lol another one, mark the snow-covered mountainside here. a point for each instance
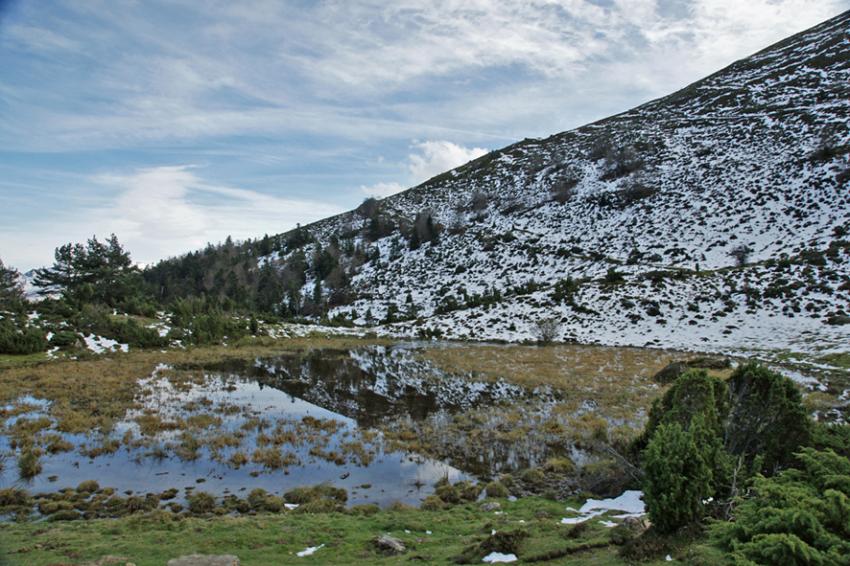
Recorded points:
(715, 218)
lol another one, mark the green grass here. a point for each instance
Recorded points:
(276, 538)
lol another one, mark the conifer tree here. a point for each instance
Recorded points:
(677, 479)
(11, 292)
(95, 272)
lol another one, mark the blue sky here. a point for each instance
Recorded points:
(176, 123)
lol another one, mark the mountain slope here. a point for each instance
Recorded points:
(713, 218)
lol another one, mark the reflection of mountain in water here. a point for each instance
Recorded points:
(368, 384)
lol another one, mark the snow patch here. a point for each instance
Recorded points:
(498, 557)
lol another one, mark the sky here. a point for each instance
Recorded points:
(173, 124)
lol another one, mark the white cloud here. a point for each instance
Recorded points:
(430, 159)
(439, 156)
(165, 211)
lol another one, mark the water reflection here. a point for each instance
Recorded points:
(368, 384)
(295, 419)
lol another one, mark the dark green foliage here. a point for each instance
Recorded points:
(829, 436)
(206, 321)
(757, 413)
(767, 417)
(703, 428)
(612, 276)
(19, 338)
(694, 393)
(800, 516)
(64, 339)
(678, 475)
(97, 272)
(425, 229)
(270, 291)
(98, 320)
(324, 261)
(564, 290)
(11, 292)
(224, 272)
(298, 238)
(368, 208)
(621, 162)
(392, 314)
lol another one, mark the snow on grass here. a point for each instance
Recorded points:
(99, 344)
(499, 558)
(629, 503)
(309, 551)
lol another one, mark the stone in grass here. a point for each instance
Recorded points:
(390, 545)
(670, 373)
(205, 560)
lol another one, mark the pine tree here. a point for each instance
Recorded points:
(269, 290)
(11, 292)
(95, 272)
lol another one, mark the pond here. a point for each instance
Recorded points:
(271, 422)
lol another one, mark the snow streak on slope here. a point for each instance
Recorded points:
(644, 211)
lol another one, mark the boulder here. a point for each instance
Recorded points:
(389, 545)
(670, 373)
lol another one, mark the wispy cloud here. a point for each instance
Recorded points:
(164, 211)
(340, 68)
(292, 98)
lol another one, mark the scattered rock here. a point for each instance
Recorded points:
(390, 545)
(637, 524)
(491, 506)
(205, 560)
(670, 373)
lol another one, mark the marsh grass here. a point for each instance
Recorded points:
(29, 464)
(619, 380)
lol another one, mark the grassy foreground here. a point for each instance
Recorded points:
(276, 538)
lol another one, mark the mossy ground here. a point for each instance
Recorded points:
(276, 538)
